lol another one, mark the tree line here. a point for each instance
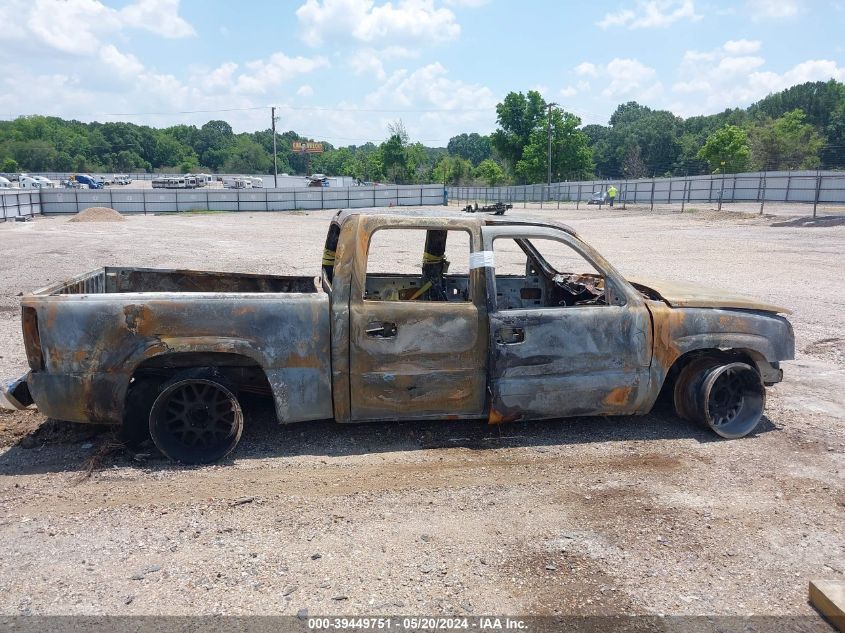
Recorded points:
(802, 127)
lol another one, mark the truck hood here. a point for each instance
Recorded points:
(682, 294)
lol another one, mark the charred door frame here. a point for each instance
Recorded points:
(365, 226)
(623, 300)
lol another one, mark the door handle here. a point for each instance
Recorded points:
(381, 329)
(510, 335)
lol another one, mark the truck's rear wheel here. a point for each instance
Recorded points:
(196, 419)
(729, 398)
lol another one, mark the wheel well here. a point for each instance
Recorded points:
(241, 372)
(726, 355)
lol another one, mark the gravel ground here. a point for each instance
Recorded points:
(588, 515)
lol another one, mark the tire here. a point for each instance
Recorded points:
(136, 416)
(728, 398)
(196, 418)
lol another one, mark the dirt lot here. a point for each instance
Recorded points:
(589, 515)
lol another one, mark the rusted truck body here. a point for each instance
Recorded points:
(171, 350)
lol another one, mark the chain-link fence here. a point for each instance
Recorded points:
(823, 190)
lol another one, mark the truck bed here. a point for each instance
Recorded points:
(87, 337)
(111, 279)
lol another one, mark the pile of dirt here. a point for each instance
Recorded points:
(98, 214)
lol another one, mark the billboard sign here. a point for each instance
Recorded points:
(307, 147)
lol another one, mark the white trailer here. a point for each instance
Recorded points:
(27, 182)
(46, 183)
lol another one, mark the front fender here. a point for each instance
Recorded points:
(678, 331)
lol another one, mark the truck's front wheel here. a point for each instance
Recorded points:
(727, 397)
(195, 419)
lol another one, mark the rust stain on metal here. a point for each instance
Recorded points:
(619, 396)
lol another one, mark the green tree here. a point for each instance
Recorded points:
(633, 166)
(490, 172)
(473, 147)
(452, 170)
(817, 99)
(833, 153)
(247, 157)
(726, 150)
(518, 116)
(188, 165)
(571, 156)
(787, 142)
(10, 165)
(394, 159)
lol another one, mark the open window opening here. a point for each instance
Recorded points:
(418, 265)
(545, 273)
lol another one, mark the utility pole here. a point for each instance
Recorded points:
(275, 166)
(550, 142)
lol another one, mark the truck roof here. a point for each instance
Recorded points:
(428, 212)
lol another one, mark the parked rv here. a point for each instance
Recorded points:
(5, 183)
(203, 180)
(237, 182)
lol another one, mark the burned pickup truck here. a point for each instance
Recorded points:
(415, 316)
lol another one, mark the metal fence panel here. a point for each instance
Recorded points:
(804, 186)
(68, 201)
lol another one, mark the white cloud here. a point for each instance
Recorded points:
(220, 79)
(458, 105)
(364, 61)
(77, 26)
(619, 18)
(651, 14)
(363, 20)
(773, 9)
(622, 78)
(587, 68)
(631, 78)
(741, 47)
(305, 91)
(123, 65)
(265, 74)
(568, 91)
(739, 65)
(370, 61)
(726, 77)
(157, 16)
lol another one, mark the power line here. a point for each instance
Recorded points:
(266, 107)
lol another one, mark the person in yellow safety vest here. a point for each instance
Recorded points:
(611, 193)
